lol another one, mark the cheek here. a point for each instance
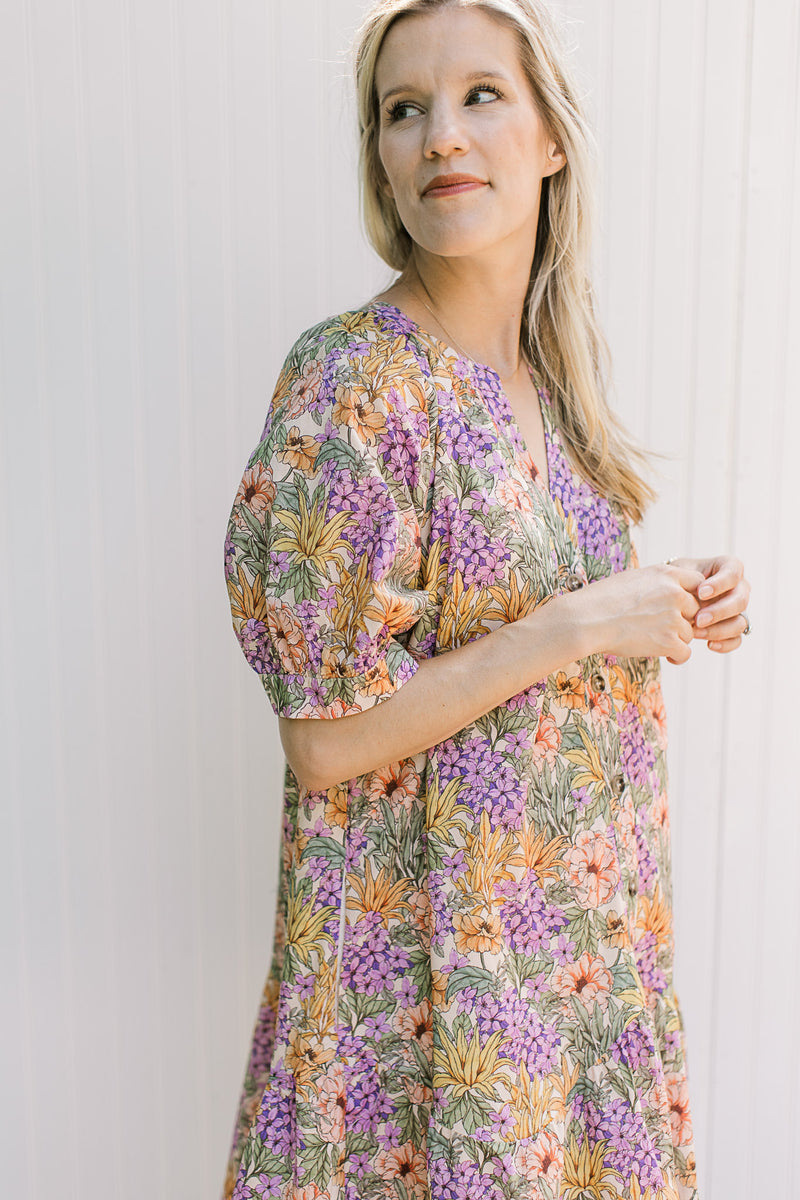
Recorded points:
(391, 159)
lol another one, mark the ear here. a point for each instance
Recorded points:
(556, 158)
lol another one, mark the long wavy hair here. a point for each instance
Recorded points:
(559, 332)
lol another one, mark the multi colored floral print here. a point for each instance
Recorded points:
(471, 990)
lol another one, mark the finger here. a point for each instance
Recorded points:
(724, 575)
(726, 646)
(687, 577)
(690, 606)
(720, 630)
(679, 656)
(730, 605)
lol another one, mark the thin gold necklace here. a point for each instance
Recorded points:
(450, 338)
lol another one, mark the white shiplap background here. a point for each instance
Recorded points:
(178, 203)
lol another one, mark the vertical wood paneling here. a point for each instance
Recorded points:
(754, 810)
(180, 201)
(777, 965)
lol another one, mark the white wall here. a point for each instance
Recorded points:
(178, 202)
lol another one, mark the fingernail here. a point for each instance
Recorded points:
(705, 590)
(704, 618)
(713, 645)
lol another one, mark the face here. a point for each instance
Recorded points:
(461, 140)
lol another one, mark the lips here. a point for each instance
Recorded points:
(451, 185)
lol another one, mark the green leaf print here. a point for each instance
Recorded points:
(469, 977)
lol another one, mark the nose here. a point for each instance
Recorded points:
(445, 133)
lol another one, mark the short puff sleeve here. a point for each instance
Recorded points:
(325, 536)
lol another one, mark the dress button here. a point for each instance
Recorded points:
(573, 582)
(598, 682)
(632, 889)
(618, 784)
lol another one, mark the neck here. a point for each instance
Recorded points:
(478, 306)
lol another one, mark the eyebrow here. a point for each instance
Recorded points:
(471, 78)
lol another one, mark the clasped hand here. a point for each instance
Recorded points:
(722, 598)
(659, 610)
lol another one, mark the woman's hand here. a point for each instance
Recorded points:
(723, 595)
(642, 612)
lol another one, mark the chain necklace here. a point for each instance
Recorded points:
(450, 337)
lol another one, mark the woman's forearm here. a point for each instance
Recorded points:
(445, 694)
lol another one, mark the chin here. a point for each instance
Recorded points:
(453, 243)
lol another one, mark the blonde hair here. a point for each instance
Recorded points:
(560, 332)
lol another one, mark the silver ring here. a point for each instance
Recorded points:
(748, 628)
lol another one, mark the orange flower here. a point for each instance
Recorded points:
(378, 895)
(592, 869)
(288, 636)
(331, 1097)
(376, 680)
(689, 1176)
(589, 979)
(600, 704)
(625, 832)
(356, 409)
(616, 930)
(256, 493)
(661, 810)
(305, 1056)
(655, 916)
(478, 932)
(679, 1115)
(514, 497)
(417, 1092)
(336, 808)
(653, 707)
(398, 783)
(303, 390)
(392, 610)
(340, 708)
(300, 450)
(569, 689)
(542, 1159)
(415, 1023)
(309, 1192)
(439, 989)
(548, 739)
(335, 664)
(406, 1163)
(419, 906)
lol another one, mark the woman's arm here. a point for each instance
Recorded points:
(643, 611)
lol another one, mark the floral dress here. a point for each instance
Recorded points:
(471, 990)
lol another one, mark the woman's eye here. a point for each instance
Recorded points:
(400, 110)
(484, 94)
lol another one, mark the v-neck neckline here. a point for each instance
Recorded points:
(540, 479)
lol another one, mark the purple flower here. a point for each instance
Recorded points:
(254, 640)
(275, 1119)
(532, 1041)
(529, 920)
(463, 1181)
(638, 755)
(371, 960)
(652, 975)
(630, 1146)
(635, 1047)
(268, 1185)
(315, 692)
(230, 557)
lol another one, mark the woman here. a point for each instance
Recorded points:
(471, 992)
